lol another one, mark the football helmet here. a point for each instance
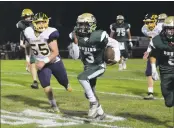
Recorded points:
(40, 22)
(27, 14)
(86, 24)
(161, 17)
(150, 21)
(120, 19)
(168, 28)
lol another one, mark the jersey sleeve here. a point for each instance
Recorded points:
(21, 26)
(104, 38)
(128, 26)
(154, 52)
(53, 36)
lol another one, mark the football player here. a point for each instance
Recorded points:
(150, 30)
(92, 43)
(43, 42)
(27, 16)
(161, 18)
(121, 32)
(163, 51)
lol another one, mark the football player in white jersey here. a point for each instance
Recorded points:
(161, 18)
(150, 30)
(43, 42)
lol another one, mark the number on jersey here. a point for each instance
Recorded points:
(40, 48)
(121, 31)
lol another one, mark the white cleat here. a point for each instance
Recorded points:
(92, 113)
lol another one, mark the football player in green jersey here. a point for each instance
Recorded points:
(92, 44)
(163, 51)
(26, 21)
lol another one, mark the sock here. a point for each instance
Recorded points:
(35, 81)
(88, 90)
(150, 89)
(53, 103)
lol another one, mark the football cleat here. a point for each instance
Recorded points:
(68, 88)
(35, 85)
(149, 97)
(92, 113)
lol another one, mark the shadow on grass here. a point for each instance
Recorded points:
(146, 119)
(29, 101)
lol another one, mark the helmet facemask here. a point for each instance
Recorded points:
(169, 32)
(150, 24)
(40, 26)
(40, 22)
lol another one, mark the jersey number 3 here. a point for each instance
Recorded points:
(90, 57)
(42, 49)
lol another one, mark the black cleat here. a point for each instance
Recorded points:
(149, 97)
(35, 85)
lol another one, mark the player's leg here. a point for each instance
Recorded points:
(60, 74)
(167, 89)
(149, 81)
(33, 73)
(84, 78)
(120, 66)
(93, 84)
(125, 57)
(44, 76)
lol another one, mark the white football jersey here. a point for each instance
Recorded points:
(160, 26)
(39, 45)
(150, 33)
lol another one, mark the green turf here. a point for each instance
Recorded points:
(127, 87)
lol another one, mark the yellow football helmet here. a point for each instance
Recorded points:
(26, 13)
(168, 27)
(40, 22)
(150, 21)
(162, 17)
(86, 24)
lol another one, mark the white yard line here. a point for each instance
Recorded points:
(45, 119)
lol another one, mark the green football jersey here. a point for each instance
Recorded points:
(92, 47)
(164, 53)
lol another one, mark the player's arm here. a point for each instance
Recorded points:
(129, 35)
(153, 57)
(111, 31)
(74, 49)
(22, 39)
(115, 46)
(108, 41)
(53, 45)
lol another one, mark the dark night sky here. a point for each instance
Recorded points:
(64, 14)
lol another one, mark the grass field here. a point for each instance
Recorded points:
(120, 93)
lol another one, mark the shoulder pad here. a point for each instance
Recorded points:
(98, 36)
(48, 31)
(20, 25)
(28, 31)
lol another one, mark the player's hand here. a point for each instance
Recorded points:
(40, 65)
(28, 66)
(111, 62)
(130, 44)
(146, 55)
(155, 75)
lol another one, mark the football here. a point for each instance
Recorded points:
(109, 54)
